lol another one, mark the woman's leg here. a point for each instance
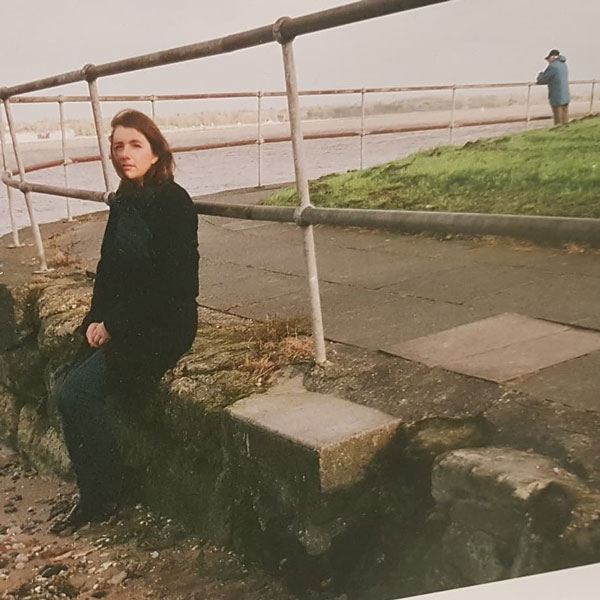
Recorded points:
(92, 451)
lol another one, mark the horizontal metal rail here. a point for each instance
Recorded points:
(287, 30)
(42, 188)
(549, 229)
(275, 93)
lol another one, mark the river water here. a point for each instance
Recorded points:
(210, 171)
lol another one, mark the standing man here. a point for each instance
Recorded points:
(556, 77)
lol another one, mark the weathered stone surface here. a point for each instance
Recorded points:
(510, 513)
(41, 443)
(432, 437)
(9, 415)
(501, 475)
(300, 460)
(335, 438)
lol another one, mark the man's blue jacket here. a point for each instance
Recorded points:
(556, 76)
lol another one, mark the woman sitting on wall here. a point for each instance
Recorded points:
(143, 314)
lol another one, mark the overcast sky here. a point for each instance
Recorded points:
(461, 41)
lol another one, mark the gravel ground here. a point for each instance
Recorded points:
(135, 555)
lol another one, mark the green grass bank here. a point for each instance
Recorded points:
(553, 172)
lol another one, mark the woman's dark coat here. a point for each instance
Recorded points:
(147, 282)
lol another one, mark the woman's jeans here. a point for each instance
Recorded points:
(85, 418)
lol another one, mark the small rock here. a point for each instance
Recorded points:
(20, 565)
(154, 554)
(51, 570)
(118, 578)
(62, 556)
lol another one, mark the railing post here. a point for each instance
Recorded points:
(451, 137)
(63, 137)
(153, 106)
(34, 226)
(88, 71)
(293, 99)
(362, 126)
(592, 97)
(528, 119)
(9, 191)
(259, 138)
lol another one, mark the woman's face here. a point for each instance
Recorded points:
(131, 153)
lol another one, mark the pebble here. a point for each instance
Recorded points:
(118, 578)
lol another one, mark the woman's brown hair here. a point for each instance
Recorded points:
(162, 170)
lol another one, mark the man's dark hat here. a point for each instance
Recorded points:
(554, 52)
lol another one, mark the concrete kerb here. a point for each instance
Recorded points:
(541, 229)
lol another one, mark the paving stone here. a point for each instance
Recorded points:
(529, 356)
(573, 383)
(569, 299)
(500, 348)
(466, 283)
(243, 225)
(493, 333)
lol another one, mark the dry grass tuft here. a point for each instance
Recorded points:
(63, 259)
(274, 344)
(574, 248)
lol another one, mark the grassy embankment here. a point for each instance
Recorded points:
(545, 172)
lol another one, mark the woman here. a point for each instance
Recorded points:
(143, 314)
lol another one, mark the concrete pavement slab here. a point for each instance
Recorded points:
(515, 360)
(378, 320)
(501, 347)
(375, 269)
(464, 284)
(243, 225)
(571, 299)
(475, 338)
(227, 286)
(553, 260)
(574, 382)
(288, 305)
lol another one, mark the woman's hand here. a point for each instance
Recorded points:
(97, 335)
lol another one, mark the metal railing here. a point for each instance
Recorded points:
(283, 31)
